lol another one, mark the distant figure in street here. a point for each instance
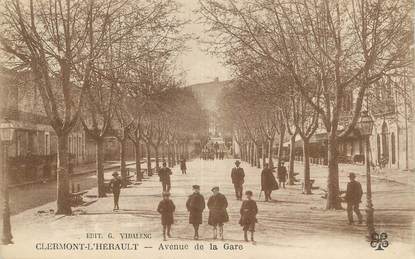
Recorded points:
(115, 186)
(183, 165)
(282, 174)
(248, 219)
(195, 205)
(353, 198)
(164, 174)
(222, 153)
(218, 215)
(238, 176)
(216, 147)
(166, 209)
(268, 182)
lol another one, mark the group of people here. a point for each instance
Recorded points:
(211, 152)
(268, 181)
(217, 203)
(218, 215)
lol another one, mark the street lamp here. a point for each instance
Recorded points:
(366, 124)
(6, 137)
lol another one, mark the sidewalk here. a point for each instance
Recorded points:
(78, 170)
(387, 174)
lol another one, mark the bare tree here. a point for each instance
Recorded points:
(344, 45)
(53, 39)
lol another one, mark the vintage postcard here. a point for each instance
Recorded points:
(207, 129)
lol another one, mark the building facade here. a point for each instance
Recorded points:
(34, 145)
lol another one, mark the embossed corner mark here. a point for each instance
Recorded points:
(379, 241)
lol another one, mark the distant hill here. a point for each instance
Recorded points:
(209, 92)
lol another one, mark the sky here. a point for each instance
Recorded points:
(199, 66)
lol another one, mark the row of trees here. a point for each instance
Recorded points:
(297, 62)
(107, 64)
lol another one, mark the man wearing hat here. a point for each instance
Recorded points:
(353, 197)
(282, 174)
(268, 182)
(238, 176)
(164, 175)
(195, 205)
(115, 186)
(218, 215)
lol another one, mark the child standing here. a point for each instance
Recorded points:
(248, 219)
(115, 186)
(166, 208)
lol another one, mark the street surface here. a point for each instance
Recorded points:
(33, 195)
(291, 226)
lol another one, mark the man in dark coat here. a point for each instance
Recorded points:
(166, 209)
(282, 174)
(248, 219)
(195, 205)
(183, 166)
(218, 215)
(353, 198)
(238, 176)
(164, 174)
(268, 182)
(115, 186)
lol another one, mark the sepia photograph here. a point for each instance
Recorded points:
(207, 129)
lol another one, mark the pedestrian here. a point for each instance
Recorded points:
(268, 182)
(282, 174)
(183, 165)
(216, 147)
(248, 211)
(166, 209)
(115, 186)
(238, 176)
(195, 205)
(218, 215)
(164, 175)
(353, 197)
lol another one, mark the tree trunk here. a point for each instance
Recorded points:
(333, 175)
(156, 154)
(264, 155)
(251, 153)
(99, 145)
(137, 153)
(306, 154)
(280, 146)
(163, 152)
(63, 201)
(122, 162)
(169, 155)
(292, 158)
(148, 153)
(174, 152)
(257, 156)
(270, 144)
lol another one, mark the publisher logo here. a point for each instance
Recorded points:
(379, 241)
